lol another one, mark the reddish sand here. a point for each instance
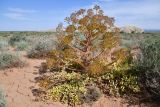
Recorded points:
(19, 82)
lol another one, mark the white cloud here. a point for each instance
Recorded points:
(16, 16)
(20, 10)
(135, 9)
(19, 14)
(140, 13)
(104, 0)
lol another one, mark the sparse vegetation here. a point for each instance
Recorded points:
(87, 58)
(76, 87)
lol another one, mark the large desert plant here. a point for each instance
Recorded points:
(89, 43)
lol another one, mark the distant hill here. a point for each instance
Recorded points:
(152, 30)
(53, 30)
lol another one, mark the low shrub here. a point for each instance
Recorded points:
(41, 48)
(22, 45)
(9, 59)
(16, 38)
(92, 94)
(67, 93)
(3, 102)
(118, 84)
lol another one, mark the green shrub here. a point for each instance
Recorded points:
(16, 38)
(149, 65)
(150, 54)
(22, 45)
(41, 48)
(3, 102)
(8, 60)
(119, 84)
(92, 94)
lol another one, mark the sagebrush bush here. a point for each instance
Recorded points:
(3, 102)
(9, 59)
(92, 94)
(16, 38)
(41, 48)
(149, 65)
(22, 45)
(3, 45)
(150, 54)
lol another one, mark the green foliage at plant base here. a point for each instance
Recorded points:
(118, 84)
(67, 93)
(74, 88)
(71, 88)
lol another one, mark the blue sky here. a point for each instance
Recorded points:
(22, 15)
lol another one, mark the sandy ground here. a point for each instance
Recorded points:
(19, 82)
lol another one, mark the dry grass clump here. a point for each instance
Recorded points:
(41, 48)
(4, 45)
(9, 59)
(21, 46)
